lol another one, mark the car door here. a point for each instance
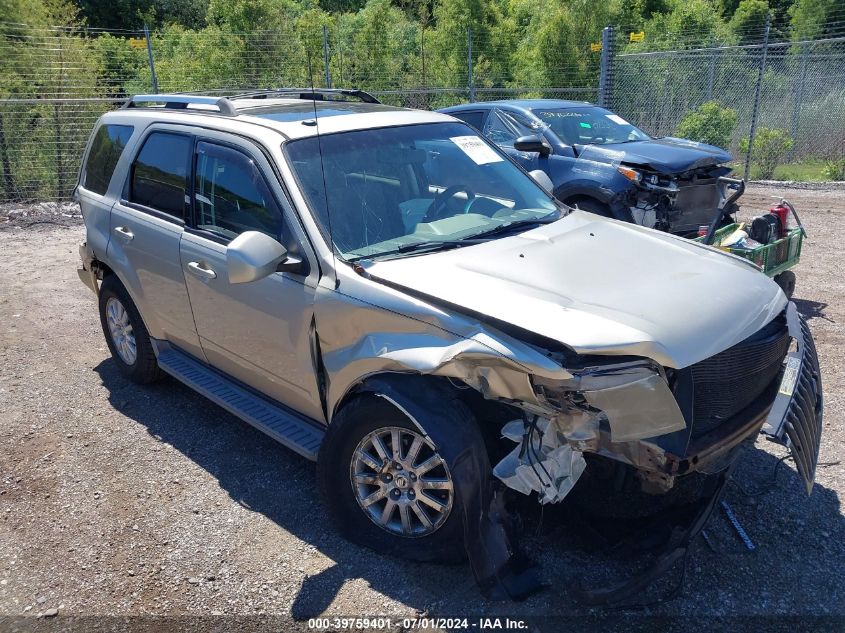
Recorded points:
(503, 128)
(146, 226)
(259, 332)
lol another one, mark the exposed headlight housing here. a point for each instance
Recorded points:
(631, 174)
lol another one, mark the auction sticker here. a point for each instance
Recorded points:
(476, 149)
(790, 375)
(617, 119)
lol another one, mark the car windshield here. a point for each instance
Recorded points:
(589, 126)
(397, 190)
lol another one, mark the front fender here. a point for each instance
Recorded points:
(373, 329)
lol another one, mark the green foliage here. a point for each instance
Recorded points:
(769, 150)
(808, 17)
(834, 169)
(749, 20)
(132, 14)
(709, 123)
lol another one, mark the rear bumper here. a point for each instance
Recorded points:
(86, 272)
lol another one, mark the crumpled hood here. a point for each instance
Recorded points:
(664, 155)
(603, 287)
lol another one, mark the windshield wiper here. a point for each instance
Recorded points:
(416, 247)
(509, 226)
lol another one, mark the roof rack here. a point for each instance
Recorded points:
(311, 94)
(181, 102)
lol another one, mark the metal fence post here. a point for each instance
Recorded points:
(757, 93)
(150, 59)
(326, 56)
(57, 125)
(470, 78)
(799, 98)
(606, 67)
(711, 74)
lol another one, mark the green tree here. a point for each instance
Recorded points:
(770, 148)
(811, 18)
(749, 20)
(709, 123)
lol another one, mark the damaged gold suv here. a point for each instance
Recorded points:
(385, 292)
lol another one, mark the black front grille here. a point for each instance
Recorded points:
(724, 384)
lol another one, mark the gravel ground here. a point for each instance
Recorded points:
(122, 500)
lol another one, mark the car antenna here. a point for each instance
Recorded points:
(323, 172)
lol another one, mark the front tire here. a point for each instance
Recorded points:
(387, 486)
(126, 335)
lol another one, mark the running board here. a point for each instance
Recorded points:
(284, 426)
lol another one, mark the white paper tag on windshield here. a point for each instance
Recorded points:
(617, 119)
(476, 149)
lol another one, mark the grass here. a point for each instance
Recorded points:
(809, 170)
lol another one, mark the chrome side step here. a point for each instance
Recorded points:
(292, 430)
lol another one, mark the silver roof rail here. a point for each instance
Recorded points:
(311, 94)
(181, 102)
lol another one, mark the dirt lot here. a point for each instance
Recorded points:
(124, 500)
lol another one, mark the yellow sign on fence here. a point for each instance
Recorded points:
(137, 42)
(637, 37)
(595, 47)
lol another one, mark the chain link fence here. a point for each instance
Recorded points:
(797, 87)
(56, 82)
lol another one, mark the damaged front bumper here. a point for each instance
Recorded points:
(796, 417)
(630, 413)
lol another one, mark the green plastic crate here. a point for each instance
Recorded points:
(772, 258)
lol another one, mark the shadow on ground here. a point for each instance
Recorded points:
(794, 535)
(812, 309)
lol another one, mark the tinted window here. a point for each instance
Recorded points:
(102, 159)
(160, 173)
(475, 118)
(231, 194)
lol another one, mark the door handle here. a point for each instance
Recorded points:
(201, 270)
(124, 233)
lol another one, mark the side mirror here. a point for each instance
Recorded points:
(252, 256)
(532, 143)
(542, 179)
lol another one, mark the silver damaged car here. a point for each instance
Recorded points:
(385, 292)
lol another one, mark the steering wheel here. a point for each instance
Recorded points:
(441, 202)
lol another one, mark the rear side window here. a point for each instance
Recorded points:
(106, 149)
(474, 118)
(160, 173)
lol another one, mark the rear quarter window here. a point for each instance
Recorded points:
(106, 149)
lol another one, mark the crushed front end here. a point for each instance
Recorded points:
(667, 423)
(679, 203)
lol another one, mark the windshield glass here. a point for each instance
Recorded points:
(589, 126)
(386, 189)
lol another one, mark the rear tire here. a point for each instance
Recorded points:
(340, 472)
(126, 335)
(786, 281)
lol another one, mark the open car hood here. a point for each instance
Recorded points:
(600, 286)
(664, 155)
